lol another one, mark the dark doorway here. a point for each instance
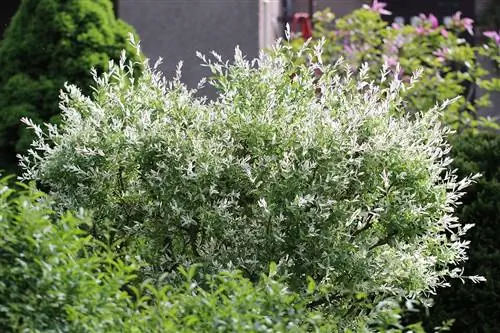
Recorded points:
(7, 11)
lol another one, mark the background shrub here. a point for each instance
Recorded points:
(451, 66)
(48, 43)
(326, 176)
(475, 308)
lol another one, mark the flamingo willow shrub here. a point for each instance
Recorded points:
(329, 176)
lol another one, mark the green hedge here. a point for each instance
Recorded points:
(49, 272)
(476, 308)
(48, 43)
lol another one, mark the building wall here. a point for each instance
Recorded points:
(176, 29)
(270, 27)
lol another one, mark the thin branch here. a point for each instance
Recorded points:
(367, 225)
(324, 300)
(368, 221)
(381, 242)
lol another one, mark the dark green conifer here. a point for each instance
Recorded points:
(50, 42)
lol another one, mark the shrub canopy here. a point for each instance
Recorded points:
(327, 175)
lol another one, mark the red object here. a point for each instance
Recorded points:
(304, 21)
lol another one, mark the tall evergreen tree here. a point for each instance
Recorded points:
(48, 43)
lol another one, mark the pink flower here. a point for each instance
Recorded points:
(465, 23)
(421, 31)
(433, 21)
(493, 35)
(378, 7)
(441, 54)
(457, 16)
(444, 32)
(400, 41)
(423, 25)
(396, 26)
(348, 48)
(391, 61)
(393, 48)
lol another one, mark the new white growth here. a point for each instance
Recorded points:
(325, 174)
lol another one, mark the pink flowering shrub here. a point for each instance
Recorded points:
(450, 65)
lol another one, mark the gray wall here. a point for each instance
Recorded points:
(176, 29)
